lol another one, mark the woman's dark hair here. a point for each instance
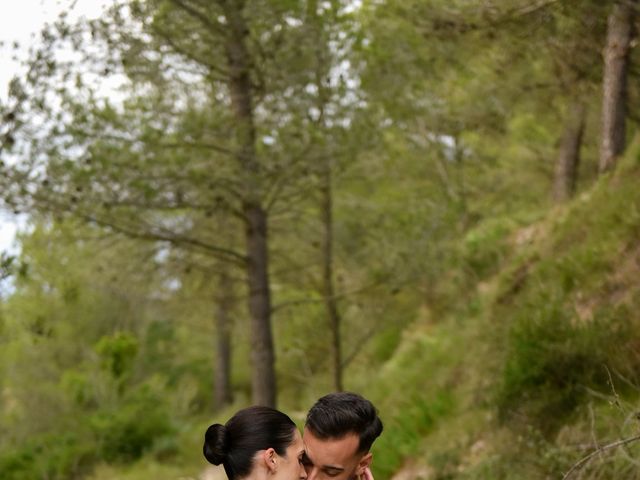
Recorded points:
(250, 430)
(338, 414)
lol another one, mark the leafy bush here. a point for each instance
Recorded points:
(17, 464)
(128, 431)
(485, 247)
(118, 352)
(51, 456)
(553, 359)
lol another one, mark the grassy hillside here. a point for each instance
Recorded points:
(535, 358)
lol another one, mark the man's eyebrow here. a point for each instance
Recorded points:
(333, 467)
(327, 467)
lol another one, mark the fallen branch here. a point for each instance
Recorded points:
(598, 451)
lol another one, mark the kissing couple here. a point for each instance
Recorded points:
(261, 443)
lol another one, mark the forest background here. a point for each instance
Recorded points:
(433, 203)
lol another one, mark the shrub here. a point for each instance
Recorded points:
(52, 456)
(485, 247)
(553, 359)
(127, 432)
(117, 352)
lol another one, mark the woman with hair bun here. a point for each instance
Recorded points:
(255, 444)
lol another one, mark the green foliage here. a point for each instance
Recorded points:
(405, 430)
(117, 353)
(78, 386)
(485, 248)
(81, 370)
(57, 456)
(550, 331)
(122, 434)
(412, 395)
(128, 431)
(552, 363)
(566, 326)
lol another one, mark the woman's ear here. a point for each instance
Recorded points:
(364, 462)
(270, 459)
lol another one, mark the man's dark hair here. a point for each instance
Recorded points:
(338, 414)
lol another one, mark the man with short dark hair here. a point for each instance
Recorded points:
(338, 434)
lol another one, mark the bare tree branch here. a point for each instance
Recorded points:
(195, 13)
(163, 235)
(222, 74)
(598, 451)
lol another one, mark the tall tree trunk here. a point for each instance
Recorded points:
(326, 206)
(614, 90)
(566, 172)
(328, 288)
(263, 379)
(223, 306)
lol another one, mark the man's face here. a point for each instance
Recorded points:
(333, 459)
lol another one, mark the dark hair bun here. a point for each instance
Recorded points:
(216, 445)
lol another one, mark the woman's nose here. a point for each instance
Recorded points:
(310, 473)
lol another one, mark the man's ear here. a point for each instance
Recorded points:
(270, 459)
(364, 462)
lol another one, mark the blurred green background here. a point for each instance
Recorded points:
(433, 203)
